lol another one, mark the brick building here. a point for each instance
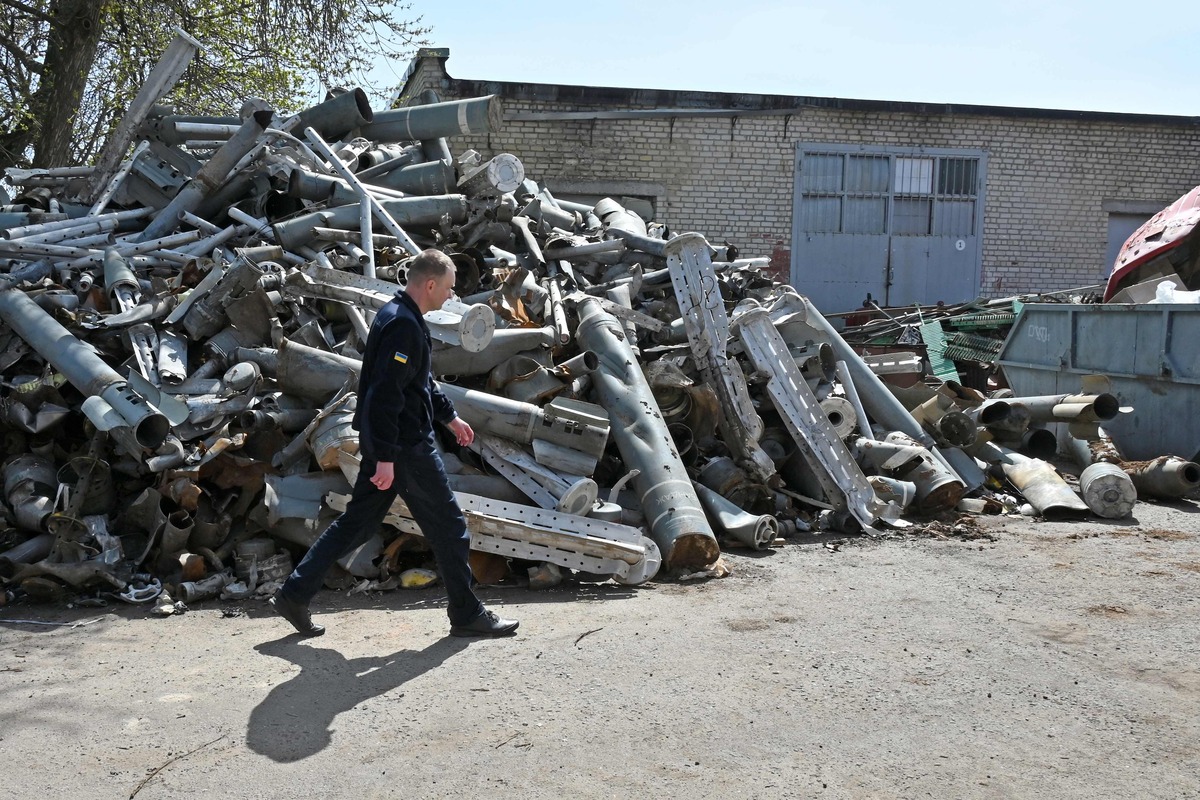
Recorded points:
(910, 202)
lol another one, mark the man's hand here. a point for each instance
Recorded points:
(385, 472)
(462, 431)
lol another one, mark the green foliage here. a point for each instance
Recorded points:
(287, 52)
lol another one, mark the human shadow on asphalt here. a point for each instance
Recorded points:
(293, 722)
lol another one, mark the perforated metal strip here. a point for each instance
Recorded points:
(832, 463)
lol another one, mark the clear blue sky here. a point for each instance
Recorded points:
(1095, 56)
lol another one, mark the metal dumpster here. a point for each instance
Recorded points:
(1151, 353)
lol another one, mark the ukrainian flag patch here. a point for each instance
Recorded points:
(403, 359)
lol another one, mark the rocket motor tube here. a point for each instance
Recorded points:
(675, 515)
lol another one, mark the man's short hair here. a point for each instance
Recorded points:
(429, 264)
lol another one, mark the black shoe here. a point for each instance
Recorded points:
(486, 624)
(296, 614)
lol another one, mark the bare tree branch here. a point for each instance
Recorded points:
(19, 54)
(29, 10)
(274, 49)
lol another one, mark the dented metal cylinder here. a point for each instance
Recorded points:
(754, 530)
(503, 345)
(898, 454)
(334, 435)
(432, 177)
(548, 215)
(954, 429)
(526, 379)
(1039, 443)
(119, 280)
(207, 314)
(436, 120)
(384, 158)
(210, 176)
(1008, 425)
(288, 421)
(299, 231)
(85, 370)
(989, 413)
(29, 488)
(893, 490)
(1107, 490)
(583, 364)
(1166, 477)
(614, 248)
(28, 552)
(523, 422)
(500, 175)
(176, 531)
(676, 519)
(175, 129)
(194, 591)
(307, 185)
(1071, 407)
(842, 415)
(1098, 447)
(309, 372)
(337, 116)
(470, 327)
(1041, 485)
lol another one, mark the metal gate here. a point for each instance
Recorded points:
(900, 224)
(1120, 228)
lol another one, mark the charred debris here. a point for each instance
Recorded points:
(181, 324)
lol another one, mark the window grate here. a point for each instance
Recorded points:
(888, 194)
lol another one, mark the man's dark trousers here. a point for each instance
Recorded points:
(420, 479)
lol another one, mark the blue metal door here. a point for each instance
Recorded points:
(902, 226)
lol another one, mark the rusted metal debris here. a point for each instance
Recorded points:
(179, 355)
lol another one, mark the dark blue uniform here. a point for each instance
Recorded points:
(398, 402)
(398, 399)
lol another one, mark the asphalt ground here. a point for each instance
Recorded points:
(1005, 658)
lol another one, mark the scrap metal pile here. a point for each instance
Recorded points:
(179, 347)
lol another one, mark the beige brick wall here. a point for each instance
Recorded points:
(731, 178)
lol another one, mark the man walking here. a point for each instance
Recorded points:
(398, 403)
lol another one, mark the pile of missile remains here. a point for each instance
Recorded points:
(180, 338)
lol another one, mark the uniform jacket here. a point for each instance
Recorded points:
(398, 399)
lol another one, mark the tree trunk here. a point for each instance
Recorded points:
(12, 147)
(74, 37)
